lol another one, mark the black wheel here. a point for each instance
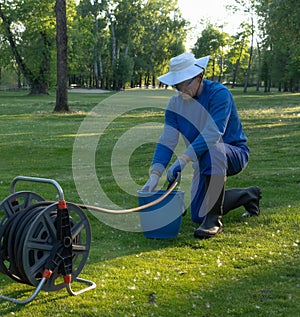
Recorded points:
(17, 202)
(11, 214)
(40, 240)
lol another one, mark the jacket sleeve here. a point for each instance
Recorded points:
(166, 143)
(217, 116)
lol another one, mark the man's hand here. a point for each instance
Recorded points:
(151, 183)
(176, 168)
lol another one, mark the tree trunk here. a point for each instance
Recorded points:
(96, 54)
(213, 70)
(258, 70)
(37, 88)
(250, 57)
(114, 40)
(96, 74)
(237, 65)
(101, 72)
(6, 23)
(37, 85)
(62, 57)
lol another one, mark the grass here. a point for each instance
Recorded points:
(252, 269)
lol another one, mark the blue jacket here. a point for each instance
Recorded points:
(203, 122)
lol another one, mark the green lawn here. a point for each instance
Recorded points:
(251, 269)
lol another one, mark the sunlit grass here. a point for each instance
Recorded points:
(252, 269)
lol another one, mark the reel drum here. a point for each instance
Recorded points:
(39, 242)
(42, 243)
(17, 202)
(11, 208)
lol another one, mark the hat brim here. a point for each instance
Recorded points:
(173, 78)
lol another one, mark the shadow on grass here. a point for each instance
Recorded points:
(113, 243)
(243, 285)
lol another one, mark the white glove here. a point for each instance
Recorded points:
(151, 183)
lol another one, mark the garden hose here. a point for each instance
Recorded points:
(170, 188)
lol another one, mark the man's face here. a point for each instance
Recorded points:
(189, 87)
(184, 85)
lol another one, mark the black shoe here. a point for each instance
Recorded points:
(202, 233)
(212, 224)
(252, 207)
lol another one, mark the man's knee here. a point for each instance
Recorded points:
(214, 160)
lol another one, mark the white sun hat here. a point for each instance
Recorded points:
(182, 67)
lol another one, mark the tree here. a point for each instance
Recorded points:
(279, 25)
(248, 7)
(29, 30)
(62, 57)
(237, 53)
(81, 44)
(123, 22)
(130, 41)
(212, 42)
(250, 57)
(162, 38)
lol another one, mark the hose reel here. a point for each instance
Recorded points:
(46, 244)
(43, 244)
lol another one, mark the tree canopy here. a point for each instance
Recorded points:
(113, 44)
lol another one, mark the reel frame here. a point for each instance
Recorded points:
(41, 242)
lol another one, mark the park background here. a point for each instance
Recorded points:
(252, 269)
(119, 44)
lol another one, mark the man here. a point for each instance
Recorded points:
(204, 113)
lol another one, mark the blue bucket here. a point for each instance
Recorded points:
(163, 220)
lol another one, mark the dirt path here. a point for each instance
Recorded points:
(88, 91)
